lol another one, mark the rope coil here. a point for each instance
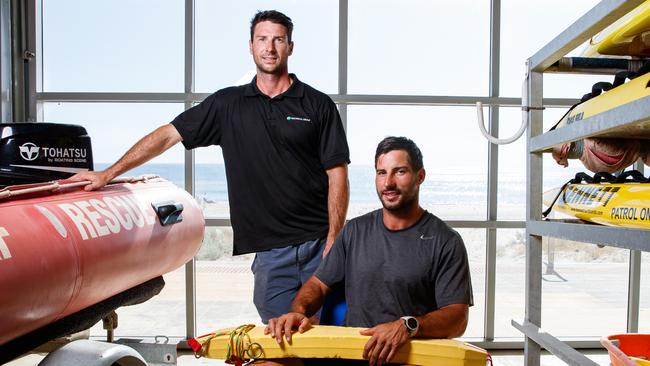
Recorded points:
(240, 349)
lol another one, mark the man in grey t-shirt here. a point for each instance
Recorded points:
(405, 271)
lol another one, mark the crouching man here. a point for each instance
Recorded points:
(405, 271)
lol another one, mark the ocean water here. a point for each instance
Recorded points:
(459, 189)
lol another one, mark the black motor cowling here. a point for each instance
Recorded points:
(41, 152)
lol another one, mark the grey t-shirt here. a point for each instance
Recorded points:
(389, 274)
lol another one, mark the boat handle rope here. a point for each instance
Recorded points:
(492, 139)
(630, 176)
(240, 351)
(54, 186)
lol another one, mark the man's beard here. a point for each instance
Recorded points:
(405, 201)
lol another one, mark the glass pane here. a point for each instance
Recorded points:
(211, 188)
(113, 46)
(418, 47)
(512, 168)
(224, 284)
(584, 289)
(147, 319)
(225, 25)
(454, 151)
(475, 243)
(526, 26)
(114, 127)
(509, 281)
(512, 164)
(581, 282)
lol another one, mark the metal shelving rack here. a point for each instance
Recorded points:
(627, 120)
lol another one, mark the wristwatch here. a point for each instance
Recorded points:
(412, 325)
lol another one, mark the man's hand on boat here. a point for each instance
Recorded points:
(385, 340)
(97, 179)
(286, 325)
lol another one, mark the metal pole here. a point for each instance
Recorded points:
(532, 102)
(493, 173)
(29, 60)
(343, 59)
(634, 283)
(190, 267)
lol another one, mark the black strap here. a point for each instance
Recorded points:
(620, 77)
(632, 176)
(596, 90)
(643, 69)
(602, 86)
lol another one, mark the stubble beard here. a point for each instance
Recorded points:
(404, 202)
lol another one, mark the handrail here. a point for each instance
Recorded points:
(8, 192)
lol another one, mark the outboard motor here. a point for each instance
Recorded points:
(41, 152)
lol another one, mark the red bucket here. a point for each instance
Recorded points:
(628, 349)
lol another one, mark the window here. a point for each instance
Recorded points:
(418, 47)
(454, 158)
(113, 46)
(524, 31)
(223, 31)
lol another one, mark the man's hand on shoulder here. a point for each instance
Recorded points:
(287, 324)
(97, 179)
(385, 340)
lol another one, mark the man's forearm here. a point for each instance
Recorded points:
(447, 322)
(310, 297)
(337, 199)
(145, 149)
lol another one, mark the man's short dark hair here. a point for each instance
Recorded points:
(401, 143)
(272, 16)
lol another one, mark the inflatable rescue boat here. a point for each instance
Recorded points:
(248, 342)
(69, 257)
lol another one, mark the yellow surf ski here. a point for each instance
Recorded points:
(629, 36)
(248, 342)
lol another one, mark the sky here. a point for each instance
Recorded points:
(399, 48)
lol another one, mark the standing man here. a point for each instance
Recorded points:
(286, 157)
(406, 272)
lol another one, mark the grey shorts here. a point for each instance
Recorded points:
(280, 272)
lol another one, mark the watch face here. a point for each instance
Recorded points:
(411, 323)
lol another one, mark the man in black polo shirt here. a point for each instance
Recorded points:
(286, 157)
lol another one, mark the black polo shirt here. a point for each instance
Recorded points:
(276, 151)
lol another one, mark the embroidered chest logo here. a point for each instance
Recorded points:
(292, 118)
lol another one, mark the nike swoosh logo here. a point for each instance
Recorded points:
(426, 237)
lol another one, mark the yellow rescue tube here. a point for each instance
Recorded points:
(634, 89)
(323, 341)
(611, 204)
(629, 36)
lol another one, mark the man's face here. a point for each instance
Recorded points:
(397, 184)
(270, 47)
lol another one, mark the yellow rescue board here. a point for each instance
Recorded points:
(629, 36)
(634, 89)
(324, 341)
(611, 204)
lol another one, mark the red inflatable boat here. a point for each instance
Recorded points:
(63, 250)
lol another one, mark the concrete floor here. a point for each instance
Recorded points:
(499, 358)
